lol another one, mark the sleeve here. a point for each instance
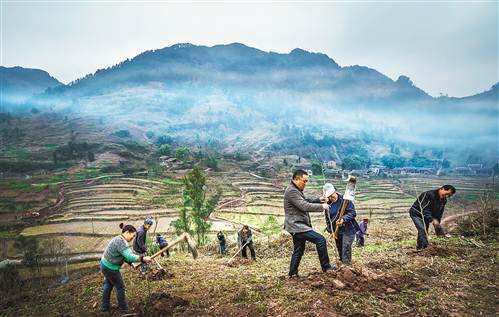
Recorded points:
(350, 212)
(314, 200)
(328, 225)
(302, 204)
(240, 238)
(127, 254)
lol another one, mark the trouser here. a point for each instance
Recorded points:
(422, 241)
(252, 250)
(360, 241)
(221, 248)
(112, 278)
(167, 251)
(344, 246)
(299, 240)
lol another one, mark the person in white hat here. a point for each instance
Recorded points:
(347, 224)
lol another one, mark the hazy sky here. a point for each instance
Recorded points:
(445, 47)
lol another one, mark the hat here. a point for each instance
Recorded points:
(328, 189)
(148, 221)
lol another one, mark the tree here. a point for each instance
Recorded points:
(271, 226)
(182, 153)
(150, 134)
(90, 156)
(9, 278)
(393, 161)
(354, 161)
(164, 139)
(317, 167)
(421, 161)
(212, 163)
(31, 252)
(165, 149)
(195, 189)
(183, 223)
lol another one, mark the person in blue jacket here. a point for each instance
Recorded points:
(162, 243)
(347, 224)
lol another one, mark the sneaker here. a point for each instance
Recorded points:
(104, 309)
(332, 268)
(295, 277)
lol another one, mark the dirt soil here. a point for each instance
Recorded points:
(158, 274)
(452, 277)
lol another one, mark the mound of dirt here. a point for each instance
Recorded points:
(162, 304)
(359, 279)
(158, 275)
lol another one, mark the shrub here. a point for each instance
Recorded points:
(164, 139)
(9, 278)
(485, 222)
(212, 163)
(182, 153)
(165, 149)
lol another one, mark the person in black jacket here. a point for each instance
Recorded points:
(245, 239)
(221, 242)
(429, 208)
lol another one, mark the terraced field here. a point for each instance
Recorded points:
(259, 198)
(94, 209)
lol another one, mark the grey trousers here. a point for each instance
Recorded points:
(344, 246)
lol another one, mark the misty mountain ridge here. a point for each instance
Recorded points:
(235, 92)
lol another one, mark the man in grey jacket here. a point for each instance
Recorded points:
(297, 222)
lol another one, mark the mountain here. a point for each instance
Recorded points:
(245, 97)
(236, 65)
(18, 83)
(491, 95)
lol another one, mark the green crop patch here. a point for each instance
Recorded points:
(27, 187)
(52, 146)
(170, 181)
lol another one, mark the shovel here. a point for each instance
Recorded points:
(183, 237)
(230, 260)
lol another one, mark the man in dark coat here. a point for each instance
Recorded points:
(139, 244)
(221, 242)
(429, 208)
(297, 222)
(245, 240)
